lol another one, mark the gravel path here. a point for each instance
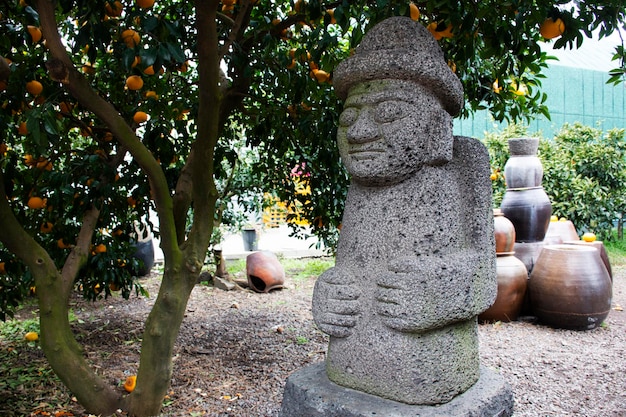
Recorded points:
(236, 349)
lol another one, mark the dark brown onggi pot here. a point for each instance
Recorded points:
(512, 282)
(600, 247)
(529, 209)
(504, 232)
(264, 271)
(570, 287)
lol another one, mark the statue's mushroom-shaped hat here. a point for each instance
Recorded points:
(399, 48)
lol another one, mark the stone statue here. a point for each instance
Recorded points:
(415, 262)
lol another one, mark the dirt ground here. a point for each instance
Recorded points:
(236, 349)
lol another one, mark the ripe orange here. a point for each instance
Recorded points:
(22, 129)
(29, 160)
(140, 117)
(44, 164)
(149, 70)
(114, 287)
(101, 248)
(229, 2)
(46, 227)
(145, 4)
(62, 245)
(152, 94)
(114, 9)
(134, 82)
(551, 28)
(65, 107)
(34, 87)
(331, 13)
(35, 33)
(31, 336)
(415, 12)
(321, 75)
(292, 65)
(589, 237)
(130, 38)
(129, 384)
(131, 201)
(2, 268)
(36, 203)
(136, 61)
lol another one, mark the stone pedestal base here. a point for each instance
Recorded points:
(309, 393)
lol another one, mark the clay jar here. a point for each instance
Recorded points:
(523, 168)
(570, 288)
(529, 209)
(264, 271)
(504, 232)
(512, 281)
(561, 231)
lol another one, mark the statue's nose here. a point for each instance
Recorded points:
(365, 129)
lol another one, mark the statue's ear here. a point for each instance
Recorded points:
(440, 140)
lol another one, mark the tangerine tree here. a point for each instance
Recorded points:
(115, 107)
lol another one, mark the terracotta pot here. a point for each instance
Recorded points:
(504, 232)
(264, 271)
(512, 282)
(570, 287)
(600, 247)
(529, 209)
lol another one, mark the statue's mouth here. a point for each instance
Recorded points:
(364, 154)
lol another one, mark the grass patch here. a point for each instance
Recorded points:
(296, 268)
(616, 249)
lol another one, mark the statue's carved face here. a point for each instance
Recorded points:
(388, 129)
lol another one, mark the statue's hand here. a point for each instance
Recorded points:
(424, 293)
(335, 303)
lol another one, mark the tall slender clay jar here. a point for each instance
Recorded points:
(525, 202)
(570, 287)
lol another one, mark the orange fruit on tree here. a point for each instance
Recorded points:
(114, 8)
(29, 160)
(134, 82)
(415, 12)
(22, 129)
(34, 87)
(62, 245)
(46, 227)
(331, 13)
(321, 75)
(3, 268)
(152, 94)
(31, 336)
(131, 38)
(149, 70)
(136, 61)
(551, 28)
(36, 203)
(129, 384)
(145, 4)
(131, 201)
(101, 248)
(35, 33)
(140, 117)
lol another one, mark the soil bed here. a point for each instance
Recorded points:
(236, 349)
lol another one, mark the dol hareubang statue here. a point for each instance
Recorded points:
(415, 262)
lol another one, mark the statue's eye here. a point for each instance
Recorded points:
(348, 116)
(390, 111)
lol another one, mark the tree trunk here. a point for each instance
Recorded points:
(161, 331)
(620, 227)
